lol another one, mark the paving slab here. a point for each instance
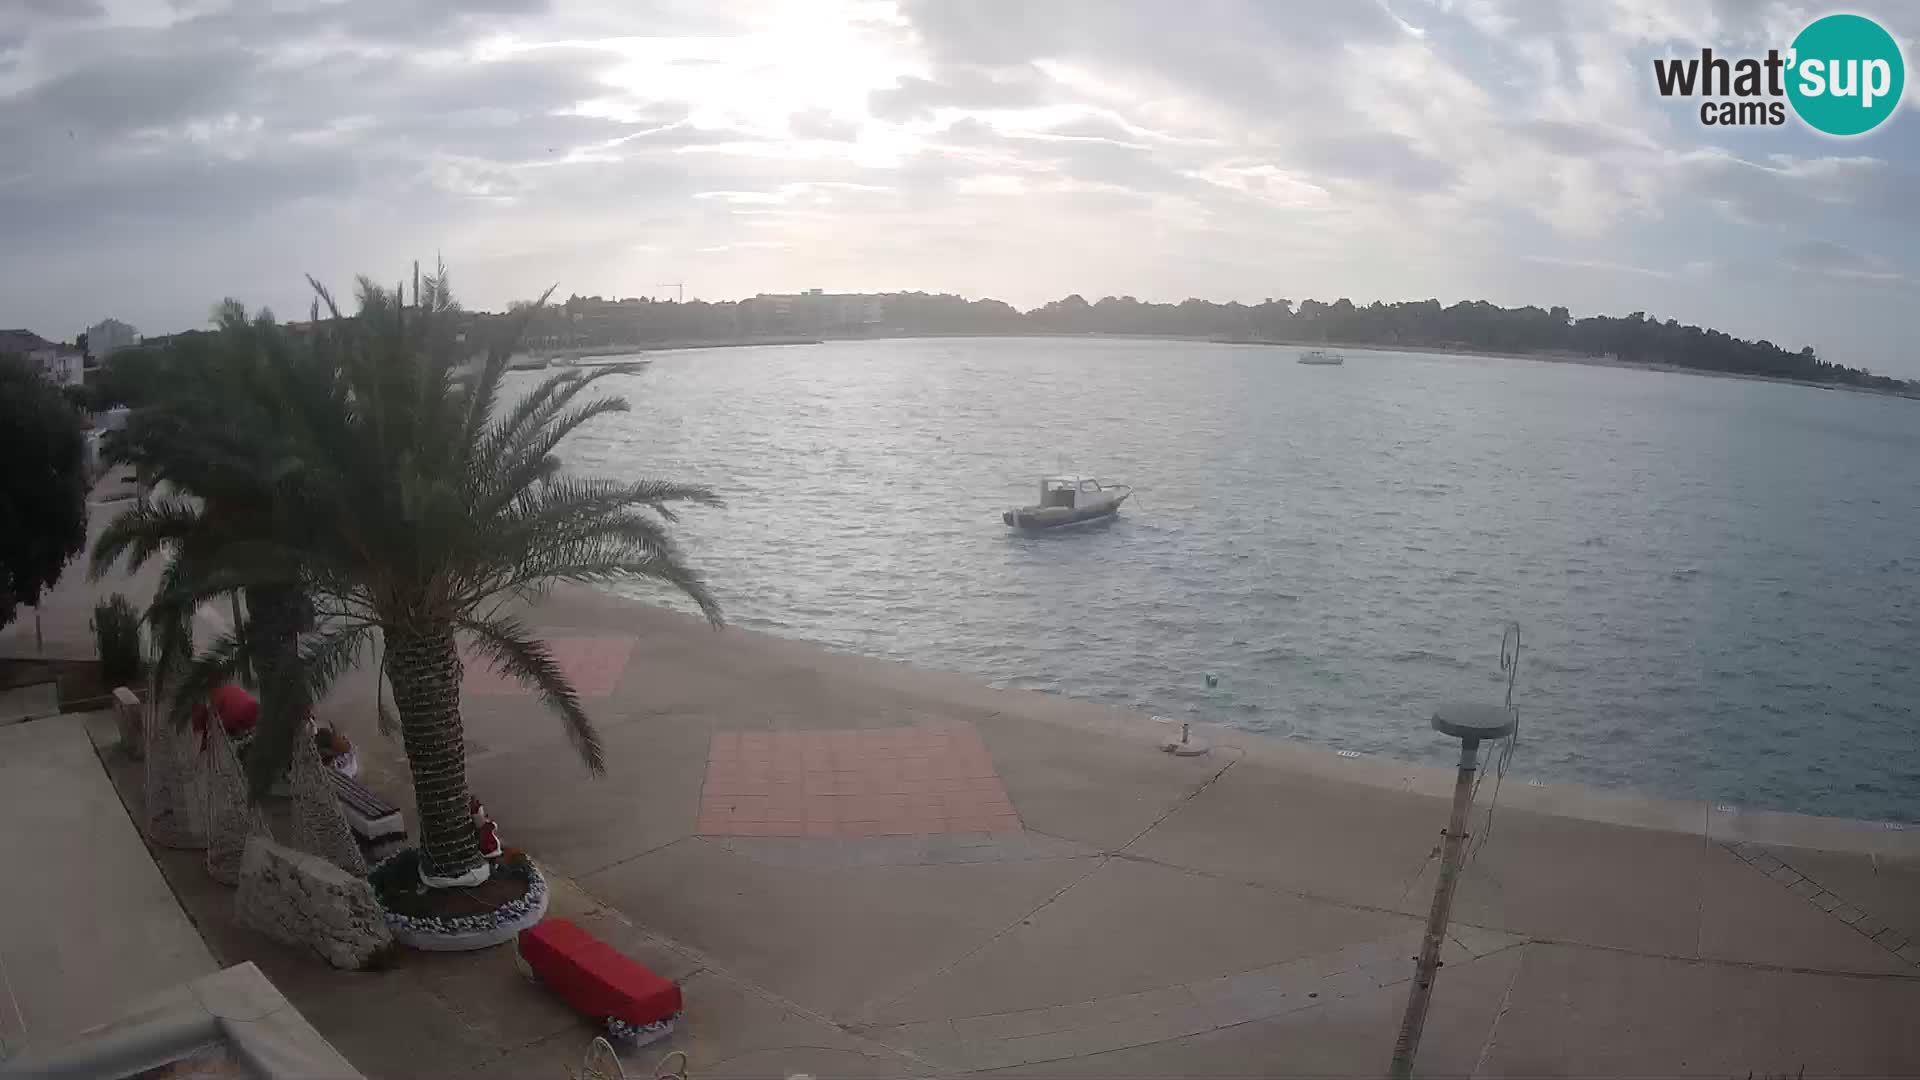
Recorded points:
(1573, 880)
(1885, 887)
(1603, 1012)
(23, 703)
(546, 802)
(1347, 1036)
(1257, 823)
(1749, 917)
(1107, 1024)
(1131, 927)
(87, 923)
(1092, 789)
(827, 939)
(826, 852)
(1729, 824)
(729, 1030)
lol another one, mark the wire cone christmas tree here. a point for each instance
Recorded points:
(318, 827)
(173, 816)
(231, 816)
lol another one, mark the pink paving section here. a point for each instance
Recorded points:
(884, 782)
(594, 665)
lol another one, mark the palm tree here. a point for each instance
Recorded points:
(213, 433)
(427, 513)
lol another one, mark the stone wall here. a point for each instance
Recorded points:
(305, 900)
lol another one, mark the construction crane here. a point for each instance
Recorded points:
(679, 297)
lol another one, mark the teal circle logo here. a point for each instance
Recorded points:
(1847, 75)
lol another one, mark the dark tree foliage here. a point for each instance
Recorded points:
(43, 485)
(138, 375)
(592, 321)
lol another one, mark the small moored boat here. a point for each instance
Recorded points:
(1069, 500)
(1321, 356)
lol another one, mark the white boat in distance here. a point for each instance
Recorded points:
(1321, 356)
(1067, 501)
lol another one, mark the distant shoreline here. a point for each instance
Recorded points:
(609, 352)
(1577, 358)
(1437, 350)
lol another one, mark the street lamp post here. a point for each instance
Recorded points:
(1472, 725)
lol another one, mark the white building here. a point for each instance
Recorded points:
(61, 365)
(109, 336)
(818, 309)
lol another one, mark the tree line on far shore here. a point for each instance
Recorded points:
(1476, 325)
(1472, 324)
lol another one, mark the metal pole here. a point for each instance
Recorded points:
(1421, 993)
(239, 624)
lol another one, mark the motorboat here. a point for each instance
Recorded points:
(1321, 357)
(1067, 501)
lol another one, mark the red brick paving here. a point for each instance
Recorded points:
(885, 782)
(594, 665)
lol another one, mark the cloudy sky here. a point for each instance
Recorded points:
(156, 155)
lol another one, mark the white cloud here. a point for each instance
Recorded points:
(172, 153)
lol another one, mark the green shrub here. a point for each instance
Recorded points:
(116, 632)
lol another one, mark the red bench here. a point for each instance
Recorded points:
(590, 975)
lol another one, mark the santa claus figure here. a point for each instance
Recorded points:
(484, 829)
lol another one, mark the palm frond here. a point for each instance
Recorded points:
(327, 655)
(531, 460)
(205, 673)
(613, 561)
(509, 437)
(140, 531)
(515, 652)
(383, 718)
(172, 637)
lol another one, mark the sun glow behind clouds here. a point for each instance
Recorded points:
(1511, 150)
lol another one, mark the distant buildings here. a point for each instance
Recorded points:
(61, 365)
(109, 336)
(816, 311)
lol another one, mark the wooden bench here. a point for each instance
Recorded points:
(637, 1005)
(367, 814)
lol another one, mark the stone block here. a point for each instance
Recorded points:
(304, 900)
(130, 715)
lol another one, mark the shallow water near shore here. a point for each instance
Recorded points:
(1716, 579)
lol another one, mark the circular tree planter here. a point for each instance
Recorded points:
(459, 920)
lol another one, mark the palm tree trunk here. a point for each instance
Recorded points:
(277, 614)
(425, 671)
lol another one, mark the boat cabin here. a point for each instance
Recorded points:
(1063, 491)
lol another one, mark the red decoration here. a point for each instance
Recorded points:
(238, 710)
(485, 831)
(593, 977)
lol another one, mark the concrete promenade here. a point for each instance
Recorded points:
(87, 924)
(863, 869)
(859, 869)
